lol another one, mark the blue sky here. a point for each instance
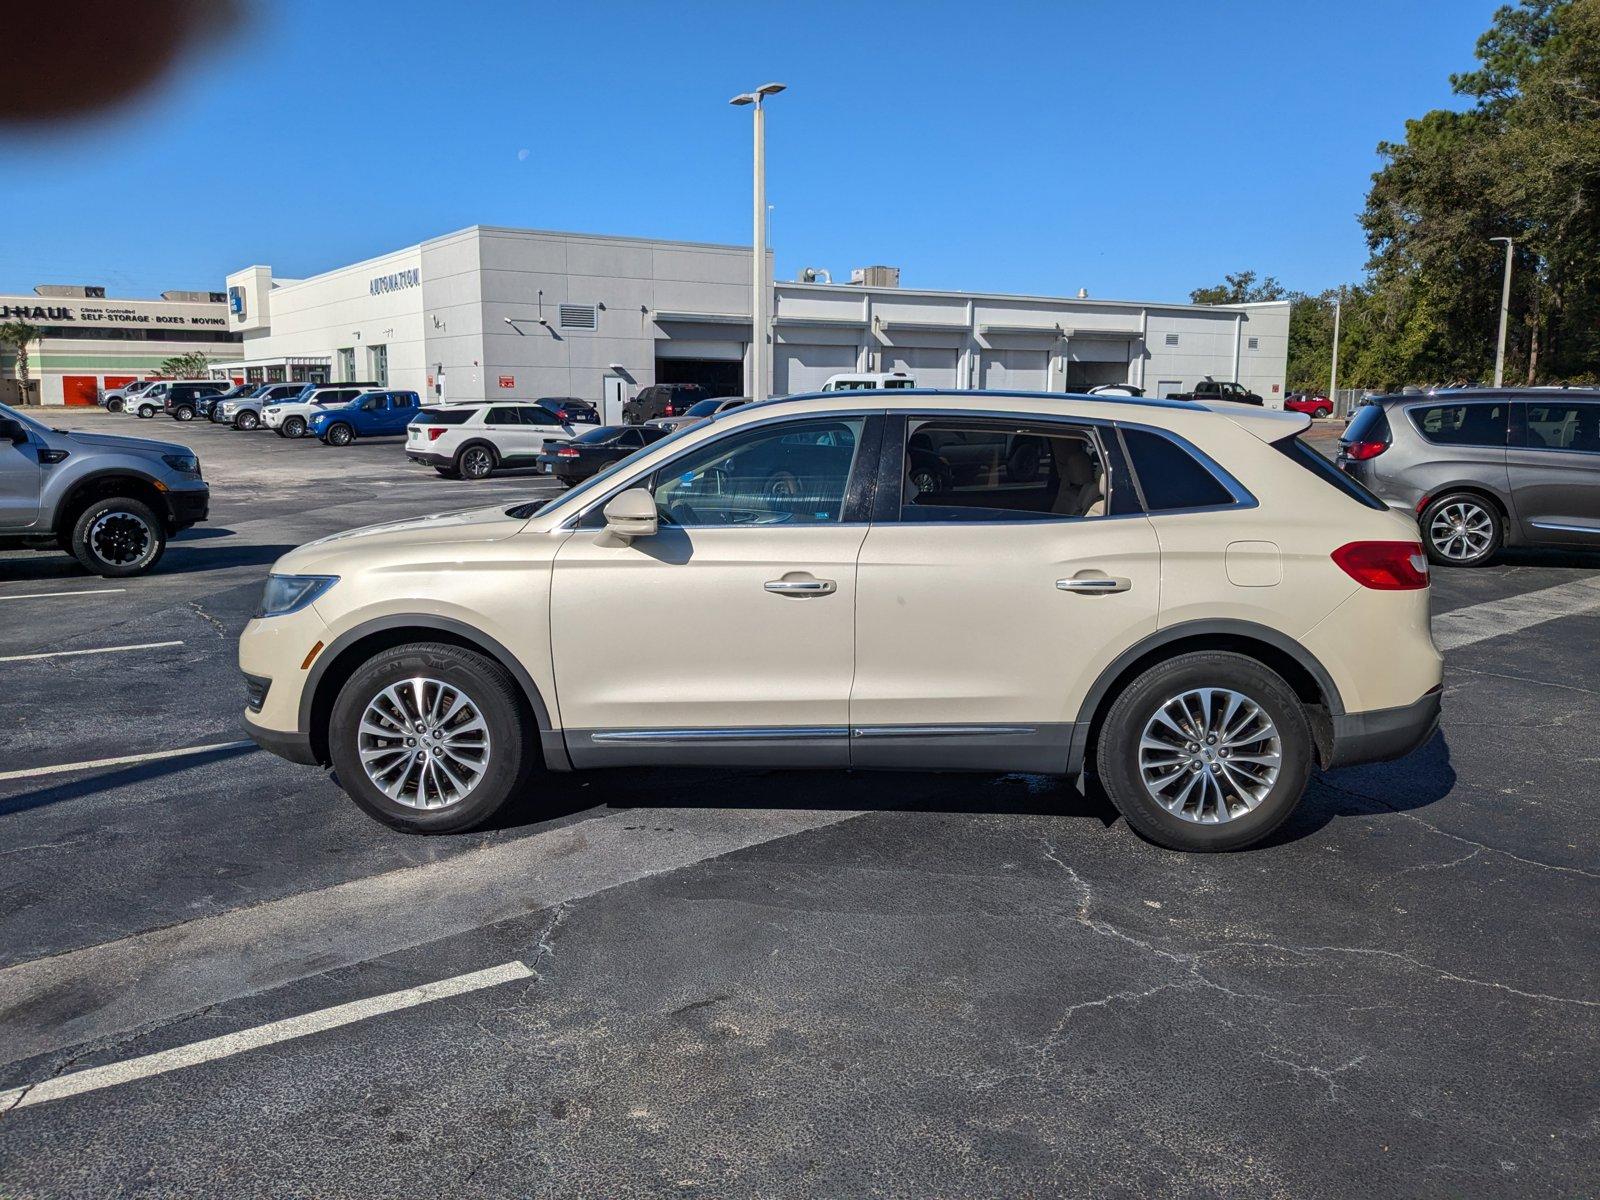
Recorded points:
(1134, 149)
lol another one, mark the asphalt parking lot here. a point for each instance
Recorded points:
(712, 984)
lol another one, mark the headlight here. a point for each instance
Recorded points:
(187, 463)
(285, 594)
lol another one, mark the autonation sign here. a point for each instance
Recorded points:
(396, 282)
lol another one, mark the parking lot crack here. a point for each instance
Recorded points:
(199, 611)
(1327, 1075)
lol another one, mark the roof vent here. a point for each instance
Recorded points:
(579, 316)
(878, 277)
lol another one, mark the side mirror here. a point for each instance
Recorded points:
(631, 514)
(16, 433)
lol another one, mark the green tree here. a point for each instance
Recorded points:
(17, 336)
(1240, 288)
(186, 366)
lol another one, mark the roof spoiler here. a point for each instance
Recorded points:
(1271, 425)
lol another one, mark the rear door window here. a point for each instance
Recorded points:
(986, 470)
(1564, 426)
(1479, 424)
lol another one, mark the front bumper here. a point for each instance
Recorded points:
(188, 506)
(1386, 733)
(292, 745)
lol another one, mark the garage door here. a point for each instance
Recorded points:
(933, 366)
(1016, 370)
(80, 390)
(799, 367)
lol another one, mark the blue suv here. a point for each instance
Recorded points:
(377, 414)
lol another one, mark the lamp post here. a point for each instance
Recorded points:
(758, 298)
(1505, 314)
(1333, 374)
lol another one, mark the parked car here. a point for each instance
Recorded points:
(573, 460)
(472, 441)
(205, 406)
(291, 418)
(1115, 389)
(1484, 468)
(1208, 389)
(661, 400)
(571, 410)
(182, 397)
(1310, 403)
(1212, 610)
(869, 381)
(376, 414)
(111, 502)
(244, 412)
(702, 411)
(113, 399)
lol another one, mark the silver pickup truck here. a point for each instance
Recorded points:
(110, 501)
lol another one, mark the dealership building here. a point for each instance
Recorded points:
(488, 313)
(87, 341)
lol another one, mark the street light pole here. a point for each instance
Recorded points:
(758, 267)
(1505, 315)
(1333, 376)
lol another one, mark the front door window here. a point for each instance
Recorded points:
(796, 473)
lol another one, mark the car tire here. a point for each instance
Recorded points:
(395, 790)
(293, 427)
(247, 420)
(1461, 529)
(339, 434)
(114, 406)
(1156, 789)
(476, 461)
(183, 414)
(146, 412)
(117, 537)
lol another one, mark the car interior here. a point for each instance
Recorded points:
(970, 471)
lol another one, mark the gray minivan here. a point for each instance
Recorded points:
(1483, 468)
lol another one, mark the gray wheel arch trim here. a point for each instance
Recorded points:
(1095, 700)
(459, 629)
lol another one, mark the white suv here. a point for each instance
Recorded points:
(291, 418)
(472, 441)
(1193, 604)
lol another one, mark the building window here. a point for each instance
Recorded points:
(347, 364)
(579, 316)
(1255, 343)
(1172, 339)
(378, 361)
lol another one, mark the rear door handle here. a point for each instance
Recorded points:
(1094, 584)
(800, 587)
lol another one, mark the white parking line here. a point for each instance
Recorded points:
(270, 1034)
(101, 650)
(126, 760)
(53, 595)
(1479, 622)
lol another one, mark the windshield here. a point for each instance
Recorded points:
(534, 508)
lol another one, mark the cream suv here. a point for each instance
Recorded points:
(1187, 601)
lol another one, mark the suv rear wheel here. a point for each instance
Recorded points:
(1461, 530)
(430, 738)
(1207, 751)
(476, 461)
(117, 537)
(183, 412)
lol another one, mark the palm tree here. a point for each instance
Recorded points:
(18, 335)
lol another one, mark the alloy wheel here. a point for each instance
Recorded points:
(120, 538)
(294, 427)
(340, 435)
(476, 463)
(1461, 531)
(423, 743)
(1209, 755)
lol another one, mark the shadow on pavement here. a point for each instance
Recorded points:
(180, 559)
(105, 781)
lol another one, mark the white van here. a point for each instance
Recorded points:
(869, 382)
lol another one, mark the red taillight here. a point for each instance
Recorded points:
(1384, 566)
(566, 452)
(435, 432)
(1361, 451)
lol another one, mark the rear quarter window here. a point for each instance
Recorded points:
(444, 416)
(1170, 477)
(1370, 424)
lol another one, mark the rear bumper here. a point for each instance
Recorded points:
(294, 746)
(429, 460)
(1385, 733)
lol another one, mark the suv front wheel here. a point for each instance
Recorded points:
(117, 537)
(1461, 530)
(430, 738)
(1207, 751)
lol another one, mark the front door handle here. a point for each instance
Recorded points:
(800, 587)
(1094, 584)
